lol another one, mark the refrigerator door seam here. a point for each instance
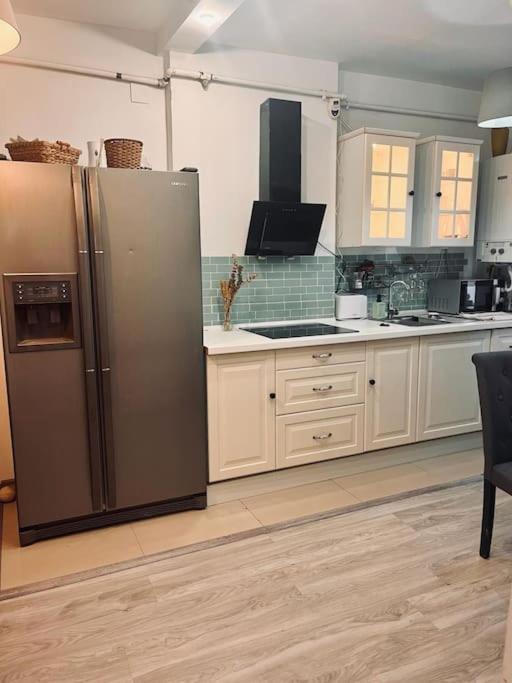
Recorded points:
(89, 353)
(95, 223)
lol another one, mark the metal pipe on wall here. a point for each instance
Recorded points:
(168, 118)
(412, 112)
(206, 78)
(86, 71)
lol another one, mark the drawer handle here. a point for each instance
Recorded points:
(322, 437)
(321, 356)
(327, 387)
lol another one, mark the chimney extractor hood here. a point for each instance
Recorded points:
(281, 225)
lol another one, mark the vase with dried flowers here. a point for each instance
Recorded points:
(229, 289)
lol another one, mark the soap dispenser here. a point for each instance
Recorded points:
(379, 308)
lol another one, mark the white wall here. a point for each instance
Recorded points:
(397, 92)
(58, 106)
(218, 132)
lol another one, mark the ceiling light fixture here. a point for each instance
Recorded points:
(9, 34)
(207, 18)
(496, 102)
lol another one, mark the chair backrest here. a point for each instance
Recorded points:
(494, 373)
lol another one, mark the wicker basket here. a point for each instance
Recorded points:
(43, 152)
(123, 153)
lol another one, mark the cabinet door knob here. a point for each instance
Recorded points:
(272, 395)
(501, 251)
(372, 382)
(439, 194)
(411, 193)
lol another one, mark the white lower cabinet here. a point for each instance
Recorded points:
(448, 394)
(269, 410)
(391, 393)
(501, 340)
(241, 414)
(319, 435)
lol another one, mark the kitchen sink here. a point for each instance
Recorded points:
(418, 321)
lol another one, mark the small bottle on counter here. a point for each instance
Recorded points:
(378, 308)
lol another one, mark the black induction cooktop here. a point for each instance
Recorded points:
(302, 330)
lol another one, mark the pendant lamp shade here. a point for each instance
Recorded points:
(496, 102)
(9, 34)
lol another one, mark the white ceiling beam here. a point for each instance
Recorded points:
(180, 13)
(202, 22)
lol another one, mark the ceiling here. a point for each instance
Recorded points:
(454, 42)
(141, 15)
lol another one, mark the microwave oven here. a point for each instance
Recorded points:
(463, 296)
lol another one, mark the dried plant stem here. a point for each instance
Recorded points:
(229, 289)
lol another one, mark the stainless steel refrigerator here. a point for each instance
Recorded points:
(102, 329)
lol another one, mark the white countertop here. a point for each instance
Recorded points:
(216, 341)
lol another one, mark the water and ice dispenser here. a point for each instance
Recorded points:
(42, 311)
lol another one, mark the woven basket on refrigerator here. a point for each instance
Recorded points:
(123, 153)
(43, 152)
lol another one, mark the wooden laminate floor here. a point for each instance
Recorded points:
(234, 507)
(395, 592)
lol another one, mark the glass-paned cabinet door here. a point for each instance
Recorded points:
(389, 189)
(455, 185)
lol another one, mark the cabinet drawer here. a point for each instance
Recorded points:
(311, 389)
(319, 356)
(321, 435)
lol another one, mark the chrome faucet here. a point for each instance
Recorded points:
(392, 311)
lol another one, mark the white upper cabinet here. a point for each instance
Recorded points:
(445, 192)
(375, 188)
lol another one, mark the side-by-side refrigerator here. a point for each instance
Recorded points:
(102, 331)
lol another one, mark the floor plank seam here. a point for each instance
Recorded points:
(70, 579)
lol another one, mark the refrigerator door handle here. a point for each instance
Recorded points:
(89, 353)
(102, 331)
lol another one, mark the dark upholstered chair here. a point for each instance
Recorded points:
(494, 373)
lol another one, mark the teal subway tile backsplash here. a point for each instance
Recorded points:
(284, 289)
(414, 269)
(304, 287)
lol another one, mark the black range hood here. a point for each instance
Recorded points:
(281, 225)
